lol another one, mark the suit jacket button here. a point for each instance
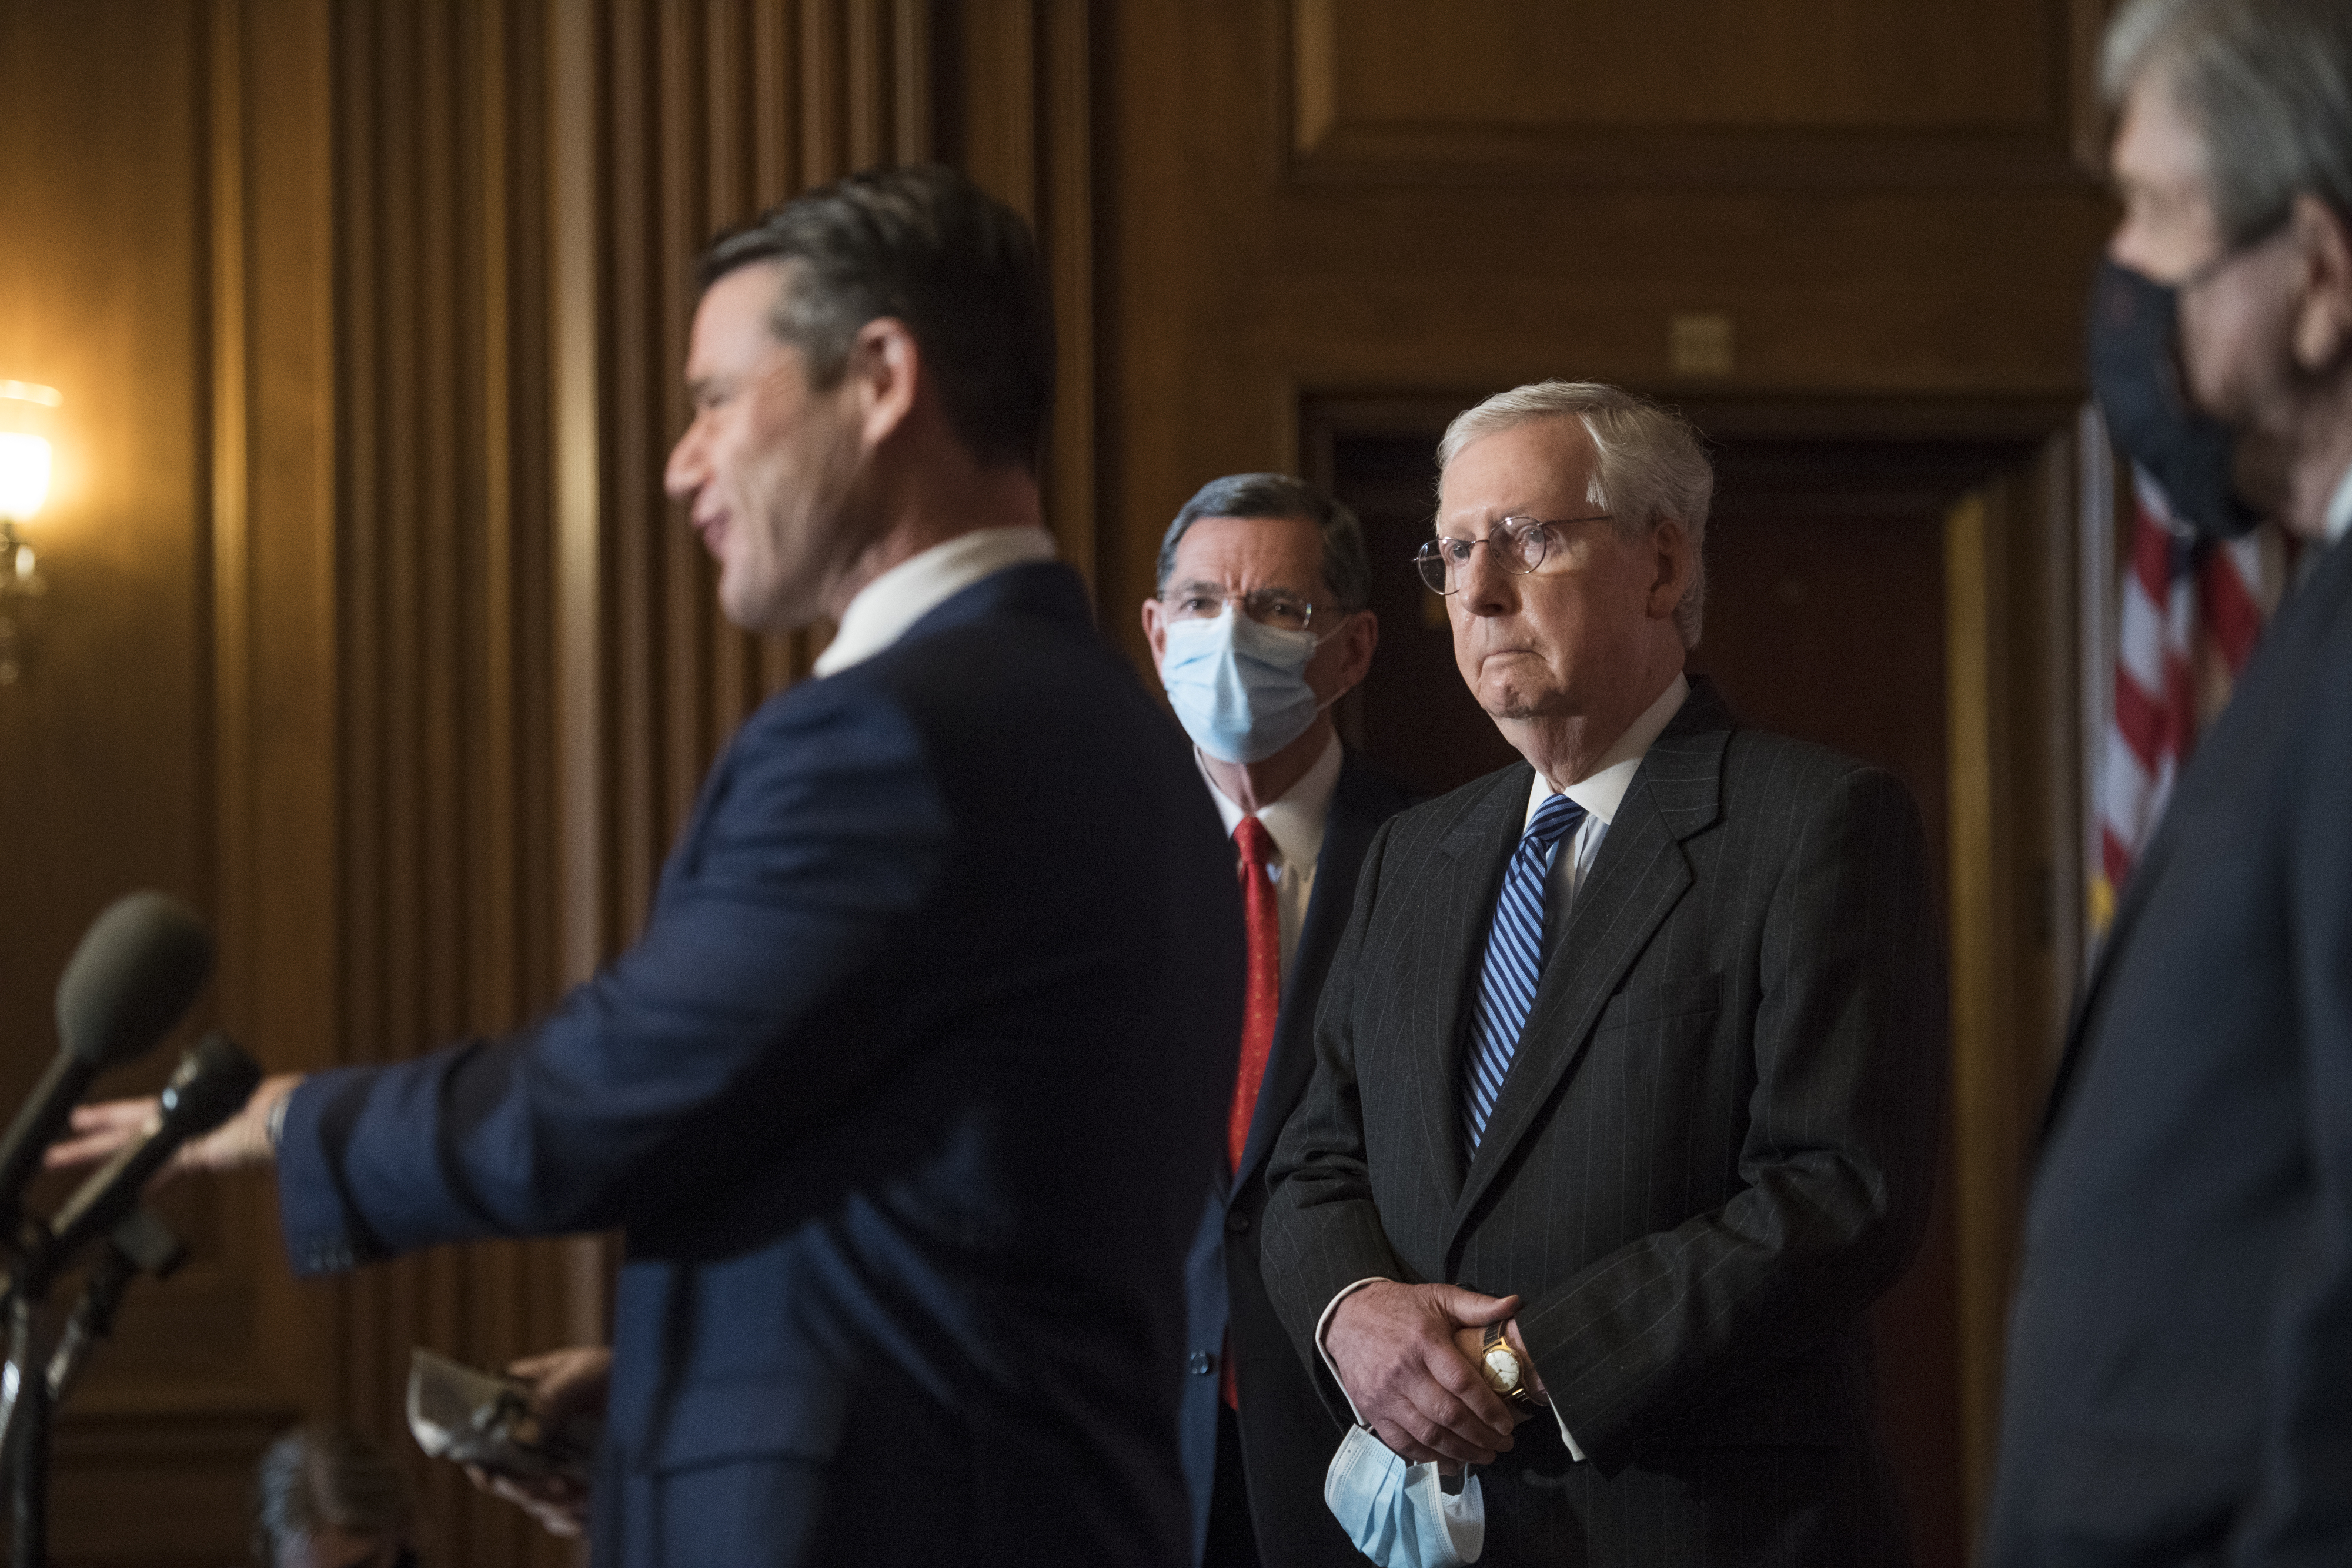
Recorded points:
(1201, 1364)
(1236, 1221)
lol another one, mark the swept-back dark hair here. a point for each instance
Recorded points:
(928, 246)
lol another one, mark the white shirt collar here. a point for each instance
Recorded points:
(1296, 821)
(1603, 790)
(2339, 510)
(886, 607)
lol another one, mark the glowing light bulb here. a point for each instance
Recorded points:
(23, 474)
(26, 411)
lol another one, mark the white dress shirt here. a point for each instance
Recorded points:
(886, 607)
(2339, 510)
(1295, 824)
(1600, 792)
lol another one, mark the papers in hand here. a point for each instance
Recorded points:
(472, 1417)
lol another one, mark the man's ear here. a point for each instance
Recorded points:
(2322, 326)
(886, 371)
(1155, 632)
(1358, 641)
(1671, 548)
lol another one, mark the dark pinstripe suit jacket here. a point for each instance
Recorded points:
(1715, 1148)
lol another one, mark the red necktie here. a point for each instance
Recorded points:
(1261, 926)
(1262, 1004)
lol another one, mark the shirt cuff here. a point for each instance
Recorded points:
(1573, 1452)
(1567, 1437)
(1323, 1326)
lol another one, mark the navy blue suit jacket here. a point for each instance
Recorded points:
(902, 1099)
(1288, 1435)
(2179, 1367)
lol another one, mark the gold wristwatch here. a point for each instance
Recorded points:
(1500, 1365)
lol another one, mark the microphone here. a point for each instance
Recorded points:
(139, 967)
(212, 1083)
(142, 1244)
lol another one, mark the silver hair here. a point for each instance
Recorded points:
(320, 1476)
(2266, 83)
(1651, 466)
(1346, 568)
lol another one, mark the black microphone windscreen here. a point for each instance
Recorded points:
(140, 965)
(212, 1083)
(215, 1078)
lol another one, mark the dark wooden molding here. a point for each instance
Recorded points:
(1323, 147)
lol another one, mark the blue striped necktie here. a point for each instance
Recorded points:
(1506, 986)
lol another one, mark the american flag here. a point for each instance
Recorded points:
(2186, 622)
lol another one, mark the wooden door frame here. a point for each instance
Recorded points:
(2015, 716)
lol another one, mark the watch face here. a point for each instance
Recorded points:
(1503, 1365)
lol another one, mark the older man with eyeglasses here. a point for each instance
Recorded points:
(1630, 1067)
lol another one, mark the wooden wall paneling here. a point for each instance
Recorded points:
(1021, 97)
(1726, 93)
(2057, 915)
(1231, 289)
(1067, 227)
(277, 624)
(447, 662)
(275, 619)
(203, 458)
(2012, 746)
(1983, 966)
(633, 339)
(585, 923)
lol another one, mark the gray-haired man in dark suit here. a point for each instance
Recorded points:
(2179, 1375)
(1631, 1064)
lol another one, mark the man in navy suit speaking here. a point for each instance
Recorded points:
(903, 1096)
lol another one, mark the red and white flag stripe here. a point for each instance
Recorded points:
(2187, 621)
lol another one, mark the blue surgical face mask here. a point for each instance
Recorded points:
(1239, 688)
(1400, 1515)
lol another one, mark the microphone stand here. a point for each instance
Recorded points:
(142, 1244)
(35, 1382)
(25, 1384)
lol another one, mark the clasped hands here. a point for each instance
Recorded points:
(1408, 1354)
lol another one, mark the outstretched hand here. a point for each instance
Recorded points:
(1396, 1353)
(566, 1384)
(98, 1133)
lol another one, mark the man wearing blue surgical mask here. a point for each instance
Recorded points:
(2180, 1364)
(1258, 627)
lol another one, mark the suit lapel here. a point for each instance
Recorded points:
(1465, 874)
(1639, 875)
(1359, 805)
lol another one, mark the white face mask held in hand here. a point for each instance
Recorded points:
(1400, 1515)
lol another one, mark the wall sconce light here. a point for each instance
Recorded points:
(27, 413)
